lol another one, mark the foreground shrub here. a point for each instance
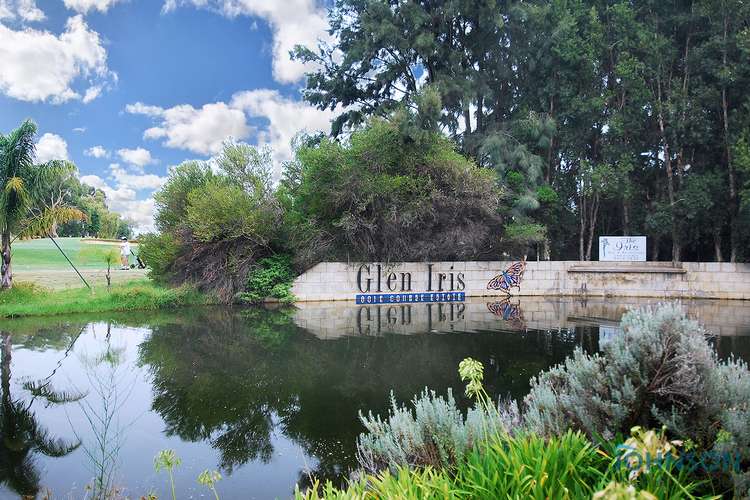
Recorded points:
(529, 466)
(436, 433)
(660, 371)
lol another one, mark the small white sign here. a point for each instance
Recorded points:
(622, 248)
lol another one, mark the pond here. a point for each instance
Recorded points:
(268, 397)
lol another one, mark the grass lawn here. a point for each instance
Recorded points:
(29, 300)
(41, 263)
(31, 255)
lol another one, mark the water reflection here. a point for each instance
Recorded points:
(329, 320)
(255, 373)
(271, 397)
(23, 436)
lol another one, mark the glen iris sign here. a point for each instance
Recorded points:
(380, 284)
(622, 248)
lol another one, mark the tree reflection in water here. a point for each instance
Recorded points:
(21, 435)
(233, 379)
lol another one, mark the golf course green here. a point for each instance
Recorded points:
(38, 261)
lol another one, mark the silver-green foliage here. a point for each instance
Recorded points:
(435, 432)
(660, 371)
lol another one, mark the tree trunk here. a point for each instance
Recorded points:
(733, 205)
(670, 187)
(581, 235)
(655, 241)
(7, 273)
(625, 217)
(717, 245)
(592, 226)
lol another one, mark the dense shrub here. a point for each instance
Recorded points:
(273, 277)
(159, 252)
(216, 221)
(391, 195)
(661, 371)
(522, 466)
(435, 433)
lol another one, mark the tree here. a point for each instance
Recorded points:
(653, 93)
(215, 226)
(22, 183)
(394, 191)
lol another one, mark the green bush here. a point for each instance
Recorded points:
(159, 252)
(273, 277)
(529, 466)
(436, 433)
(661, 371)
(389, 195)
(217, 220)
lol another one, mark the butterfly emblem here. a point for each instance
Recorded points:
(508, 279)
(507, 311)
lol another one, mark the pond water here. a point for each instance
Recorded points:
(268, 397)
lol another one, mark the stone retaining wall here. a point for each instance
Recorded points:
(339, 281)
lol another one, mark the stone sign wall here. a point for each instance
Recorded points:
(454, 282)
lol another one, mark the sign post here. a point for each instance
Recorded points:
(622, 248)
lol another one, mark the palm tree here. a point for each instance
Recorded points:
(21, 183)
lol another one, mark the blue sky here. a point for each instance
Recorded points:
(127, 88)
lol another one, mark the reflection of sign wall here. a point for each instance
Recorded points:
(622, 248)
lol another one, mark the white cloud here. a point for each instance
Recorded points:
(122, 194)
(96, 152)
(80, 130)
(135, 181)
(92, 93)
(293, 22)
(51, 147)
(204, 130)
(40, 66)
(26, 10)
(285, 118)
(142, 109)
(199, 130)
(84, 6)
(138, 157)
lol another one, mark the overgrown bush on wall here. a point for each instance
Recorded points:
(393, 192)
(272, 278)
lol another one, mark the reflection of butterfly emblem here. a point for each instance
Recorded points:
(509, 278)
(507, 311)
